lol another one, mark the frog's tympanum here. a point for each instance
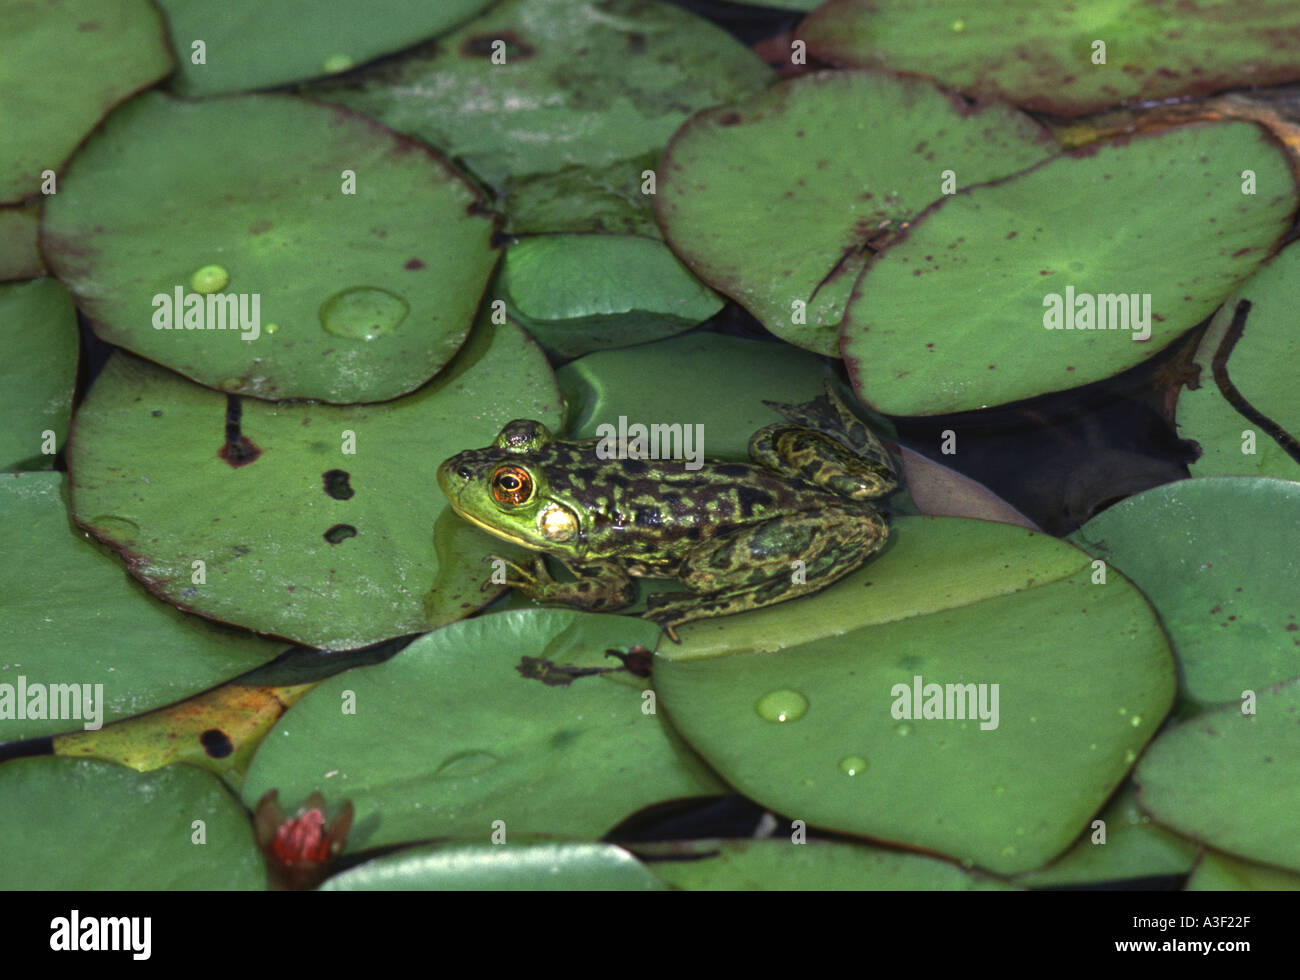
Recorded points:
(731, 533)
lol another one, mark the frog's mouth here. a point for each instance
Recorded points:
(495, 532)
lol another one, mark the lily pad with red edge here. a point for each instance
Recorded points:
(781, 199)
(1244, 413)
(1231, 777)
(79, 825)
(251, 44)
(356, 297)
(960, 313)
(517, 723)
(322, 524)
(564, 126)
(1047, 58)
(104, 51)
(38, 328)
(73, 617)
(810, 707)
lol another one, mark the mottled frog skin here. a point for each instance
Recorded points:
(731, 533)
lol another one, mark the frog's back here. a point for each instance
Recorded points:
(659, 508)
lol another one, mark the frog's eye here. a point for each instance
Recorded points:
(512, 486)
(523, 436)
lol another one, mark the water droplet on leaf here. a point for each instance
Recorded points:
(117, 528)
(363, 313)
(852, 765)
(210, 279)
(782, 705)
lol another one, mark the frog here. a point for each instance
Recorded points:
(737, 535)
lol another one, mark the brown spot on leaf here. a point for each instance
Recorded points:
(340, 533)
(413, 264)
(337, 485)
(238, 450)
(216, 743)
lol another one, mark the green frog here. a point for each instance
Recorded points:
(738, 536)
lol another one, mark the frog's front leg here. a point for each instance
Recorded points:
(600, 585)
(755, 565)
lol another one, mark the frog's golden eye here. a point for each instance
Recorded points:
(512, 486)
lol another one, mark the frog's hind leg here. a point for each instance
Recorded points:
(827, 445)
(768, 563)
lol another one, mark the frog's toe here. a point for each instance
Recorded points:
(665, 621)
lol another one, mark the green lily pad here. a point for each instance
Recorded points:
(450, 736)
(1216, 557)
(301, 537)
(1046, 59)
(691, 380)
(249, 44)
(533, 866)
(579, 293)
(81, 825)
(19, 256)
(1232, 779)
(1133, 847)
(39, 328)
(585, 84)
(951, 601)
(107, 630)
(104, 51)
(370, 293)
(779, 865)
(780, 199)
(1252, 389)
(964, 295)
(1223, 873)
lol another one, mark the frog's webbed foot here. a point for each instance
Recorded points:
(531, 581)
(666, 623)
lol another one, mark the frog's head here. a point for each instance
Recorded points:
(504, 489)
